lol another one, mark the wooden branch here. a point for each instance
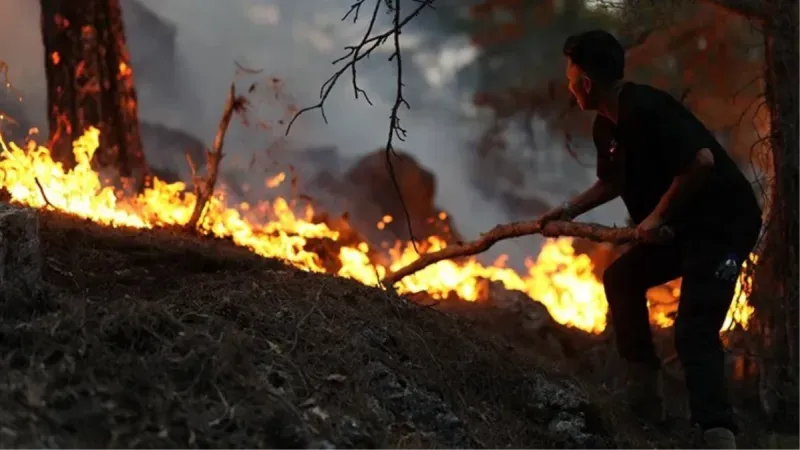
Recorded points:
(639, 39)
(751, 9)
(44, 194)
(594, 232)
(204, 188)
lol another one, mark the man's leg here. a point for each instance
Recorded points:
(626, 283)
(710, 275)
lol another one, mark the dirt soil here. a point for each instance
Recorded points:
(156, 339)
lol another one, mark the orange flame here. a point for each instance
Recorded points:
(559, 278)
(125, 70)
(275, 181)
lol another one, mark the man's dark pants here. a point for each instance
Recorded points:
(706, 295)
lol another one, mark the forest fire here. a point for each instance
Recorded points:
(559, 278)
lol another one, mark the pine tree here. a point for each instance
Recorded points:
(90, 83)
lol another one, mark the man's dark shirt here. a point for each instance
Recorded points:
(654, 140)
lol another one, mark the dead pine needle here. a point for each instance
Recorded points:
(302, 321)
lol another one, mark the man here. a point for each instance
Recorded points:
(697, 218)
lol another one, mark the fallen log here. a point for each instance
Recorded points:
(590, 231)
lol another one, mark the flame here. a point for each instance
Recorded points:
(385, 220)
(275, 181)
(559, 278)
(739, 312)
(125, 70)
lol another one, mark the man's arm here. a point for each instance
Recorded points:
(684, 185)
(598, 194)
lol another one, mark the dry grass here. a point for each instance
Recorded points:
(153, 339)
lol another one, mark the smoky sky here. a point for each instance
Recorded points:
(294, 42)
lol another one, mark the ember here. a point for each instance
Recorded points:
(559, 278)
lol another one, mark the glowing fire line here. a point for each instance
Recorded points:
(559, 278)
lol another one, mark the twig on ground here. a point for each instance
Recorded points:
(204, 187)
(228, 414)
(4, 148)
(44, 195)
(590, 231)
(303, 319)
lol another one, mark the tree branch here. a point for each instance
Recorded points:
(204, 187)
(395, 130)
(355, 54)
(594, 232)
(751, 9)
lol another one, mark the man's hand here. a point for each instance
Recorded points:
(561, 212)
(653, 230)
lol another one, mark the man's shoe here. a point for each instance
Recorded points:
(719, 438)
(646, 393)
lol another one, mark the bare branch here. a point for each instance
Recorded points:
(204, 188)
(395, 130)
(353, 55)
(590, 231)
(639, 39)
(751, 9)
(44, 195)
(6, 80)
(356, 53)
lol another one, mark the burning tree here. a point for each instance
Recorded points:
(90, 83)
(776, 282)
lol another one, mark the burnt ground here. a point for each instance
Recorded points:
(154, 339)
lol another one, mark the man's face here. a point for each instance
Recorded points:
(581, 86)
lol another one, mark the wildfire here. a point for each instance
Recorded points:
(559, 278)
(125, 70)
(275, 181)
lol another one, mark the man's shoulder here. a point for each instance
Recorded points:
(648, 107)
(602, 130)
(601, 123)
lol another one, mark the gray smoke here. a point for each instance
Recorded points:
(182, 84)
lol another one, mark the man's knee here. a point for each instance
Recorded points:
(696, 339)
(618, 280)
(612, 276)
(684, 339)
(702, 309)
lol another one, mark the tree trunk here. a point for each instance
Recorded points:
(776, 298)
(90, 83)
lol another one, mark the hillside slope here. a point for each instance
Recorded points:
(154, 339)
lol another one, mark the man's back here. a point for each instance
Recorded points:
(654, 140)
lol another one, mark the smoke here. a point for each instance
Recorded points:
(294, 42)
(21, 48)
